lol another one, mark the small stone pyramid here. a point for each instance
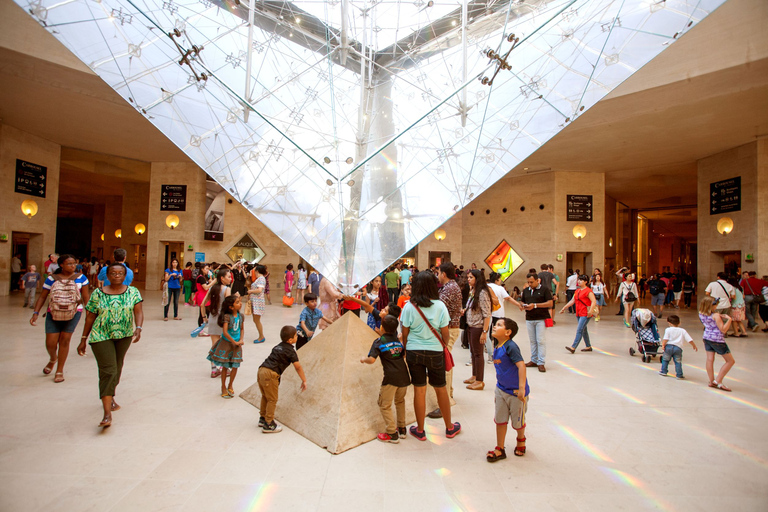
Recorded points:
(339, 410)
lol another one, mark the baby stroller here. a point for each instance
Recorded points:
(644, 325)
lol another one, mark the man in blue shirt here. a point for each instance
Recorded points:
(120, 254)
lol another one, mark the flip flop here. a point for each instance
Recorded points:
(105, 423)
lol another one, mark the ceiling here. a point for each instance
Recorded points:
(646, 136)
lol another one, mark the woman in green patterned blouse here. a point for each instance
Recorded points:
(111, 314)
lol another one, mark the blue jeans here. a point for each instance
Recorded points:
(676, 353)
(536, 336)
(568, 296)
(581, 332)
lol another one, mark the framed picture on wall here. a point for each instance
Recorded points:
(504, 260)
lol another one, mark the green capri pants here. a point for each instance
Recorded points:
(110, 355)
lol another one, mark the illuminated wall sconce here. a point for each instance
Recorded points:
(140, 228)
(102, 237)
(119, 233)
(610, 242)
(440, 235)
(725, 225)
(172, 221)
(650, 252)
(29, 207)
(579, 231)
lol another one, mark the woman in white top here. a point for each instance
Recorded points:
(625, 289)
(601, 293)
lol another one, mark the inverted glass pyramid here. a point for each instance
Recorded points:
(355, 128)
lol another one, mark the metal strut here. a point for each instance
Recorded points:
(502, 61)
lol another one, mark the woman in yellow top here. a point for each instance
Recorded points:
(111, 314)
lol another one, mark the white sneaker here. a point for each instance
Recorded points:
(468, 363)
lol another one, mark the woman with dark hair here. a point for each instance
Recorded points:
(188, 282)
(239, 278)
(173, 277)
(257, 296)
(301, 284)
(478, 310)
(216, 293)
(586, 305)
(464, 287)
(425, 320)
(68, 291)
(113, 321)
(288, 281)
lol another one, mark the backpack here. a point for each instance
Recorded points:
(654, 288)
(64, 298)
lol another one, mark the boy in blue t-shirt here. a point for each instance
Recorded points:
(308, 320)
(510, 402)
(396, 379)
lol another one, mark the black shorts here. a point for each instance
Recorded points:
(301, 341)
(718, 348)
(426, 362)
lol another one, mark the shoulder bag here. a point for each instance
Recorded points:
(757, 298)
(446, 353)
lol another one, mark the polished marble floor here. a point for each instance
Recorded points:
(605, 433)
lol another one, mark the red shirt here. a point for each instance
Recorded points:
(582, 301)
(755, 284)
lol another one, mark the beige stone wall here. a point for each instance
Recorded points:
(741, 161)
(17, 144)
(538, 235)
(237, 221)
(761, 263)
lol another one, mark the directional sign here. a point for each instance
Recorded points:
(579, 208)
(173, 198)
(725, 196)
(30, 178)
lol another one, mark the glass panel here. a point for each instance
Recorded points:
(355, 128)
(246, 249)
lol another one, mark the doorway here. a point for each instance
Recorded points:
(579, 260)
(138, 260)
(436, 257)
(732, 263)
(174, 250)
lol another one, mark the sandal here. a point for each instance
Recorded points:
(231, 391)
(49, 367)
(520, 450)
(470, 380)
(59, 377)
(721, 387)
(106, 422)
(215, 373)
(492, 456)
(177, 318)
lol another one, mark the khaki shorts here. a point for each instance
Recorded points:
(509, 408)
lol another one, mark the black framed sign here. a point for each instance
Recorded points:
(173, 198)
(579, 208)
(725, 196)
(30, 178)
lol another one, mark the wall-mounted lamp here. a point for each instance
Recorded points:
(650, 252)
(172, 221)
(102, 237)
(579, 231)
(610, 242)
(29, 207)
(119, 233)
(725, 225)
(440, 235)
(140, 228)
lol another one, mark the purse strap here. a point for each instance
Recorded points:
(434, 331)
(724, 290)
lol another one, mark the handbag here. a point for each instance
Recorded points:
(446, 353)
(756, 297)
(247, 309)
(165, 294)
(549, 322)
(287, 300)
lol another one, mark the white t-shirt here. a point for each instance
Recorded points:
(715, 290)
(677, 336)
(501, 294)
(598, 288)
(572, 282)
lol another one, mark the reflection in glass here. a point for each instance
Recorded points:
(274, 102)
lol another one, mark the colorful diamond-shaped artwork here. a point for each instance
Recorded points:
(504, 260)
(355, 128)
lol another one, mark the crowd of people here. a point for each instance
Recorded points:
(418, 317)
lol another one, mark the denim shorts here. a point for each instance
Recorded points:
(58, 326)
(600, 299)
(718, 348)
(426, 362)
(658, 299)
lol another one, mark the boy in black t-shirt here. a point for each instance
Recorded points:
(281, 357)
(396, 379)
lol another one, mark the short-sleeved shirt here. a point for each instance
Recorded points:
(712, 332)
(114, 314)
(392, 354)
(450, 294)
(581, 296)
(505, 358)
(420, 336)
(128, 276)
(80, 281)
(538, 295)
(174, 278)
(311, 317)
(392, 279)
(405, 277)
(546, 278)
(501, 294)
(314, 283)
(720, 290)
(572, 282)
(752, 286)
(30, 279)
(233, 324)
(282, 356)
(677, 336)
(657, 286)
